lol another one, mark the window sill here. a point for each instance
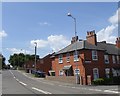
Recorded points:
(60, 62)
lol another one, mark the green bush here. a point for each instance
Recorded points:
(108, 81)
(99, 81)
(116, 80)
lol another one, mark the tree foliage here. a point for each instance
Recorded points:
(2, 61)
(19, 60)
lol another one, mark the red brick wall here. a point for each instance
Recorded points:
(85, 68)
(43, 64)
(56, 66)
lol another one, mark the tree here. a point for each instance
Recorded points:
(2, 61)
(19, 60)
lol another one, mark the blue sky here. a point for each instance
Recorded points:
(49, 26)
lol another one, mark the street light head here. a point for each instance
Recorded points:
(35, 43)
(69, 14)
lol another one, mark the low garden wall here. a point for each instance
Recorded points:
(66, 79)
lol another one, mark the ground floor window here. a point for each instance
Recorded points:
(76, 71)
(95, 73)
(107, 72)
(61, 73)
(115, 72)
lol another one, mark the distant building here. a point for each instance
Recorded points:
(43, 64)
(94, 60)
(0, 61)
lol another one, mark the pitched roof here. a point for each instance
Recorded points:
(109, 48)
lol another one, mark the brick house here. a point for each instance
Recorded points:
(43, 64)
(92, 59)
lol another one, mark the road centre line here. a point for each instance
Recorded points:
(45, 92)
(22, 83)
(109, 91)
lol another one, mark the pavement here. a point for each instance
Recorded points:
(19, 82)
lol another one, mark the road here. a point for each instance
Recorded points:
(16, 82)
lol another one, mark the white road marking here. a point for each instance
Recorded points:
(45, 92)
(73, 87)
(17, 80)
(22, 83)
(111, 91)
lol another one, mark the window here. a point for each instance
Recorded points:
(106, 59)
(113, 59)
(95, 73)
(76, 56)
(68, 57)
(60, 59)
(94, 55)
(107, 72)
(114, 72)
(118, 60)
(76, 71)
(61, 73)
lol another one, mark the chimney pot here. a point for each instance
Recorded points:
(118, 42)
(91, 37)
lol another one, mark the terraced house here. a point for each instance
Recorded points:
(92, 59)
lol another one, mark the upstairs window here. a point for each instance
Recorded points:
(68, 57)
(118, 60)
(113, 59)
(106, 59)
(76, 56)
(60, 58)
(94, 55)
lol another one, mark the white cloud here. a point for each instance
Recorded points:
(115, 18)
(44, 23)
(17, 51)
(3, 34)
(55, 42)
(40, 43)
(108, 34)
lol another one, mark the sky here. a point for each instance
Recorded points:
(24, 23)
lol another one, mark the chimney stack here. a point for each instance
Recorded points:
(74, 39)
(91, 37)
(118, 42)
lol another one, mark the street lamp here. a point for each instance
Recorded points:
(76, 71)
(35, 53)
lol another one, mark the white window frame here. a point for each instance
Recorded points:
(77, 72)
(114, 72)
(75, 54)
(113, 59)
(118, 60)
(60, 57)
(106, 59)
(68, 57)
(61, 72)
(94, 55)
(107, 72)
(95, 73)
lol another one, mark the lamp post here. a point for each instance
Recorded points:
(76, 71)
(35, 53)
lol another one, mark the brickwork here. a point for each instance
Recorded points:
(86, 63)
(67, 79)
